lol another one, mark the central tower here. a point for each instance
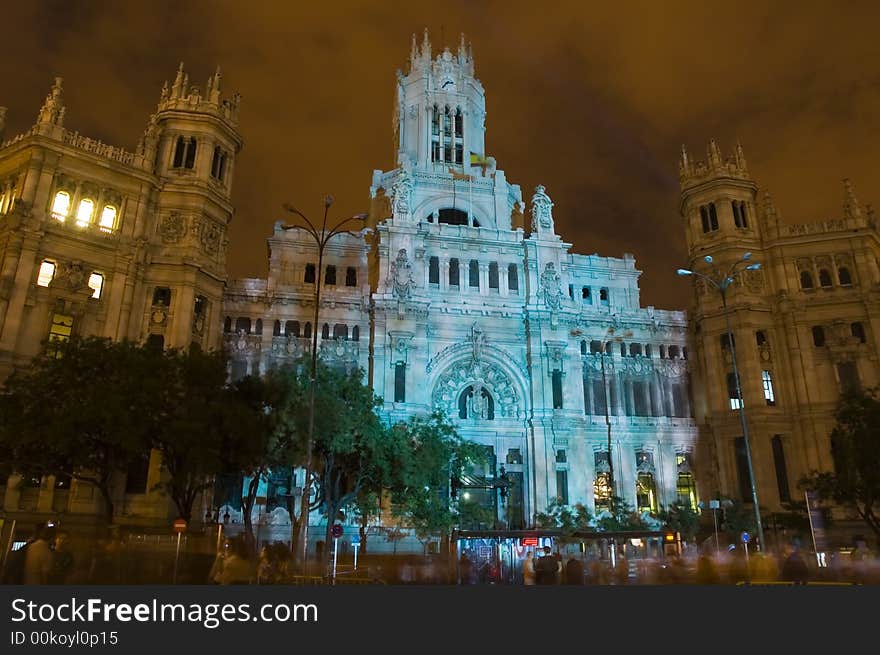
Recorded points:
(440, 110)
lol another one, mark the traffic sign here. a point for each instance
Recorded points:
(355, 540)
(180, 525)
(336, 531)
(745, 537)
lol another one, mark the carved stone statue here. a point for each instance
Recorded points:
(479, 404)
(402, 279)
(552, 285)
(542, 210)
(401, 190)
(478, 340)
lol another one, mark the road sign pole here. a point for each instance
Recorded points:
(715, 518)
(356, 546)
(176, 557)
(335, 553)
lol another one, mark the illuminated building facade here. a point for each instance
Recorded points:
(458, 297)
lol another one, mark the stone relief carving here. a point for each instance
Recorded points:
(478, 340)
(209, 236)
(551, 283)
(464, 373)
(71, 276)
(172, 228)
(401, 191)
(402, 279)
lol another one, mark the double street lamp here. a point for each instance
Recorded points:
(321, 237)
(721, 282)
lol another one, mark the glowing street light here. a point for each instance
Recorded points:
(721, 282)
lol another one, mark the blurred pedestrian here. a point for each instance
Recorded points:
(794, 567)
(529, 569)
(62, 559)
(547, 568)
(465, 569)
(38, 559)
(574, 571)
(237, 568)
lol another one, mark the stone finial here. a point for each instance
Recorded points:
(462, 50)
(413, 53)
(684, 164)
(212, 91)
(542, 210)
(851, 207)
(740, 158)
(714, 155)
(52, 111)
(179, 86)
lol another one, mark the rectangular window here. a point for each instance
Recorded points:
(96, 284)
(588, 407)
(59, 333)
(330, 276)
(562, 486)
(848, 373)
(732, 393)
(781, 470)
(557, 389)
(400, 382)
(162, 296)
(742, 469)
(47, 273)
(310, 274)
(433, 270)
(600, 404)
(512, 278)
(767, 382)
(561, 457)
(514, 456)
(351, 277)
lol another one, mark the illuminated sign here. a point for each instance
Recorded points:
(529, 541)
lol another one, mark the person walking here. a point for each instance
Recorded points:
(38, 559)
(547, 568)
(528, 569)
(574, 571)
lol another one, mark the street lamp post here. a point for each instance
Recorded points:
(322, 237)
(721, 283)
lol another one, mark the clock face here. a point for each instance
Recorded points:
(158, 316)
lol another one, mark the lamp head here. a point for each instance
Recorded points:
(747, 256)
(683, 271)
(708, 259)
(753, 267)
(328, 200)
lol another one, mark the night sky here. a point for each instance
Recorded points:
(593, 102)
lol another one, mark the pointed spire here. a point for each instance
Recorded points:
(413, 53)
(714, 155)
(213, 93)
(462, 50)
(851, 207)
(179, 84)
(740, 158)
(684, 164)
(164, 95)
(426, 46)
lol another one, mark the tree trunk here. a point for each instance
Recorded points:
(247, 507)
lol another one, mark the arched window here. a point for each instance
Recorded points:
(623, 350)
(84, 212)
(595, 347)
(844, 276)
(451, 216)
(583, 347)
(646, 493)
(325, 331)
(493, 275)
(355, 333)
(292, 328)
(454, 276)
(218, 164)
(61, 206)
(330, 276)
(858, 331)
(351, 277)
(585, 294)
(512, 278)
(243, 324)
(307, 331)
(227, 325)
(674, 352)
(340, 331)
(184, 153)
(258, 326)
(603, 295)
(309, 277)
(806, 280)
(482, 408)
(276, 329)
(108, 219)
(686, 489)
(474, 274)
(739, 214)
(825, 278)
(760, 338)
(649, 351)
(818, 336)
(635, 349)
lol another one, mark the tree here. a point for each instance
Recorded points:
(682, 518)
(566, 518)
(85, 409)
(624, 517)
(190, 431)
(737, 518)
(855, 450)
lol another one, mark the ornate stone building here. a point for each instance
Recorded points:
(97, 240)
(805, 327)
(457, 296)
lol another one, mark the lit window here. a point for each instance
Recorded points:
(47, 272)
(59, 333)
(733, 392)
(602, 492)
(767, 381)
(85, 211)
(61, 205)
(96, 283)
(108, 218)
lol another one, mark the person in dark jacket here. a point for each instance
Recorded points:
(574, 571)
(547, 568)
